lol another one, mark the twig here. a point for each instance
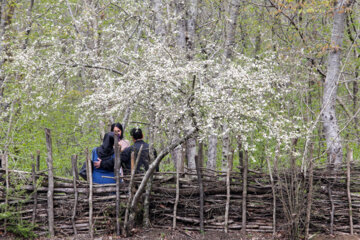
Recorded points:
(91, 66)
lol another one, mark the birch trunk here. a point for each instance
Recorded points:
(231, 27)
(229, 44)
(225, 148)
(191, 153)
(176, 156)
(191, 24)
(2, 33)
(330, 124)
(181, 24)
(159, 22)
(212, 152)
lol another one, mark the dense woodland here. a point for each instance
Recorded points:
(273, 80)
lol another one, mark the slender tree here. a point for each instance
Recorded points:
(330, 123)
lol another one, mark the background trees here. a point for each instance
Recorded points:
(74, 66)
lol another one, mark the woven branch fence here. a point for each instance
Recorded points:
(335, 201)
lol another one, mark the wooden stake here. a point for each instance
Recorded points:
(35, 193)
(76, 195)
(178, 166)
(37, 160)
(117, 178)
(5, 157)
(89, 174)
(201, 154)
(132, 161)
(332, 213)
(310, 191)
(128, 220)
(146, 220)
(201, 192)
(273, 189)
(348, 181)
(228, 192)
(244, 193)
(50, 193)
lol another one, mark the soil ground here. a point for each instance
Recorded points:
(166, 234)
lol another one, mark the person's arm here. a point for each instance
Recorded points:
(107, 165)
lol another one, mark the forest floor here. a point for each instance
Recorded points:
(165, 234)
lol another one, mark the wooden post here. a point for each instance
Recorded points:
(228, 191)
(132, 159)
(128, 220)
(241, 153)
(201, 154)
(310, 192)
(146, 220)
(90, 179)
(273, 195)
(244, 193)
(178, 166)
(50, 192)
(37, 160)
(6, 160)
(332, 213)
(35, 192)
(201, 192)
(7, 180)
(117, 178)
(76, 195)
(348, 182)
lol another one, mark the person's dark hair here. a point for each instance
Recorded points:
(118, 125)
(136, 133)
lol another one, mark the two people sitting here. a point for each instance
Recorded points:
(103, 157)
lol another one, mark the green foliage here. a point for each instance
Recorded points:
(24, 230)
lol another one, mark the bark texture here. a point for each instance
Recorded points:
(212, 150)
(330, 123)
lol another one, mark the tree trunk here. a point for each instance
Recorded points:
(330, 124)
(225, 148)
(229, 45)
(176, 156)
(212, 152)
(181, 24)
(191, 24)
(158, 21)
(191, 153)
(231, 27)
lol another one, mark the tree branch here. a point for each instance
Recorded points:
(95, 67)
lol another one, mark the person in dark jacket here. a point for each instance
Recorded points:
(104, 153)
(143, 165)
